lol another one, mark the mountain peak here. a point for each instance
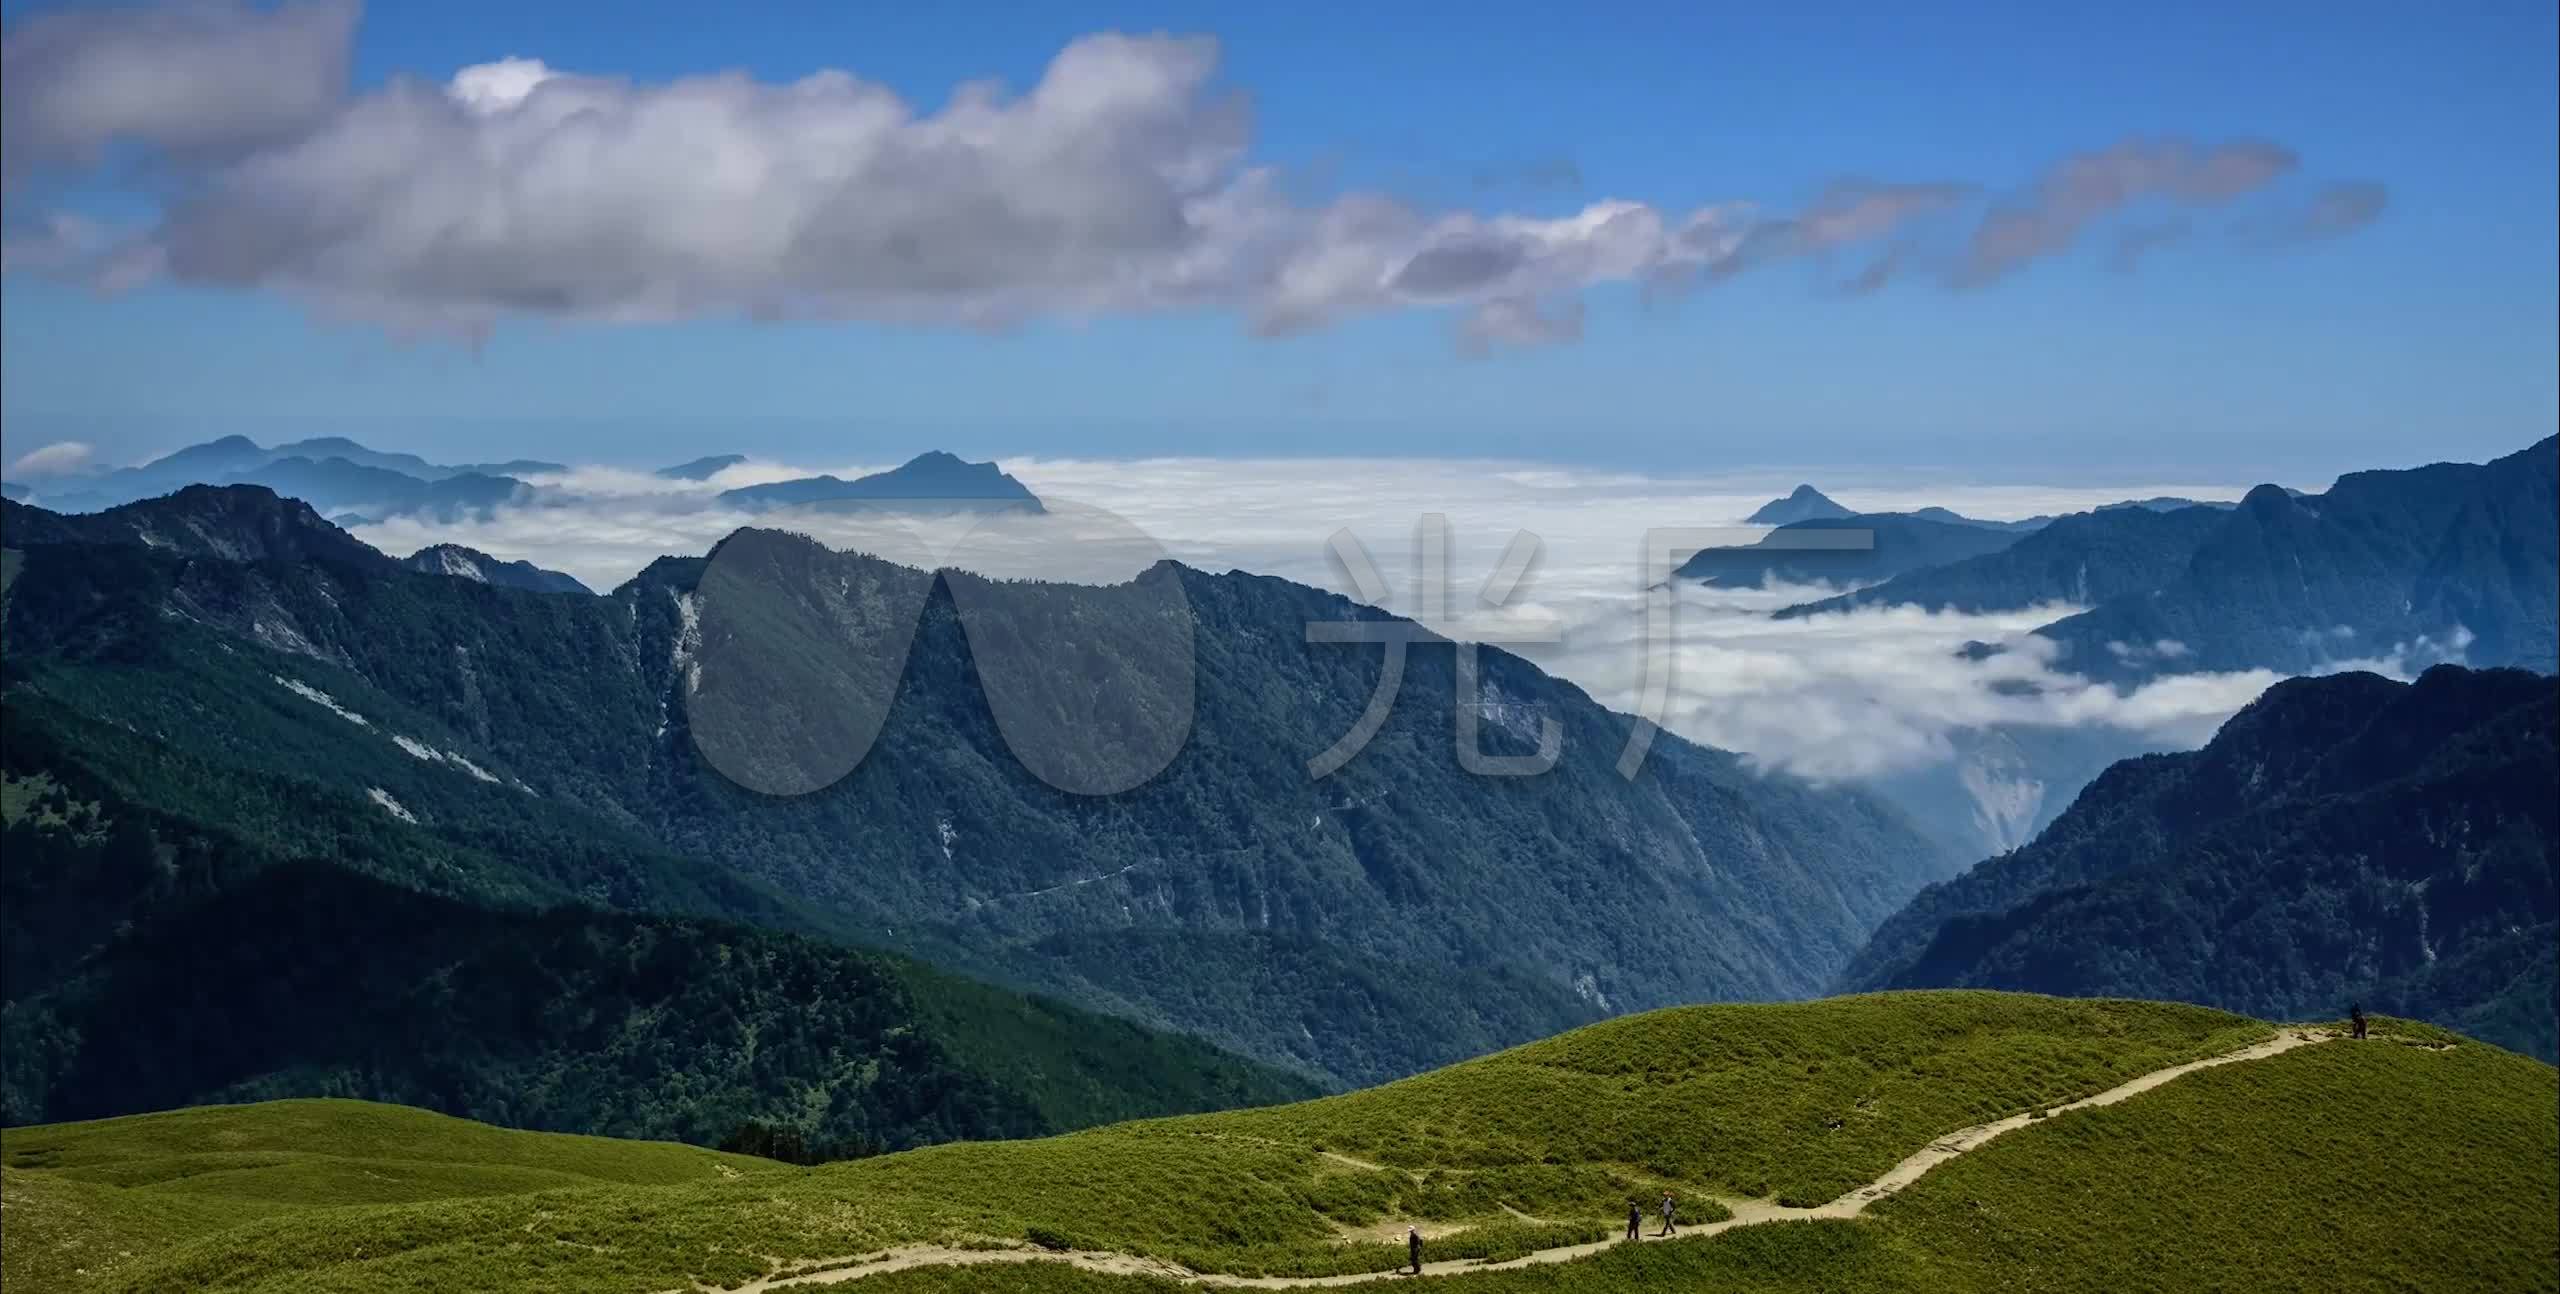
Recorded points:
(241, 523)
(933, 481)
(1804, 504)
(480, 568)
(701, 469)
(2267, 501)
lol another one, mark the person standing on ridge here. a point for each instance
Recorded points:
(1667, 1226)
(1413, 1247)
(1635, 1220)
(2355, 1017)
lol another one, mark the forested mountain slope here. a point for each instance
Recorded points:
(1560, 895)
(310, 943)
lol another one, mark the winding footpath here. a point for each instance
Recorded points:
(1745, 1212)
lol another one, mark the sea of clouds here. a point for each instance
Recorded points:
(1864, 693)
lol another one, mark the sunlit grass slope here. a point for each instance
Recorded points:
(1796, 1102)
(80, 1201)
(2392, 1164)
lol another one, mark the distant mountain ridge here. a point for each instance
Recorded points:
(332, 473)
(701, 469)
(2082, 559)
(294, 468)
(2452, 561)
(1814, 551)
(934, 481)
(2343, 838)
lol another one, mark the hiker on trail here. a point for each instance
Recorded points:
(1413, 1247)
(1667, 1227)
(2355, 1016)
(1635, 1220)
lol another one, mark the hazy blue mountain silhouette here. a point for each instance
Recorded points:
(2448, 561)
(701, 469)
(2082, 559)
(1805, 503)
(933, 481)
(1901, 543)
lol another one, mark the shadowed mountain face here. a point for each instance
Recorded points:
(252, 524)
(156, 959)
(2450, 561)
(239, 524)
(934, 482)
(1288, 915)
(2343, 838)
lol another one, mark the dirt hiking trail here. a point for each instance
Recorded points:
(1745, 1212)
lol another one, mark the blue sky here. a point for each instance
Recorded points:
(2427, 333)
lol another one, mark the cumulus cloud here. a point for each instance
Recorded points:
(197, 80)
(1121, 182)
(56, 459)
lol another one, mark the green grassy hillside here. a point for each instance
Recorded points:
(1532, 1149)
(80, 1201)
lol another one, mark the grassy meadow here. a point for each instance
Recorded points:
(2234, 1176)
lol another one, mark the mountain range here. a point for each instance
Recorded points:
(1398, 913)
(332, 473)
(221, 703)
(2344, 838)
(2452, 561)
(1852, 549)
(2081, 559)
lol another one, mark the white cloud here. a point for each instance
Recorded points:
(56, 459)
(1120, 183)
(196, 80)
